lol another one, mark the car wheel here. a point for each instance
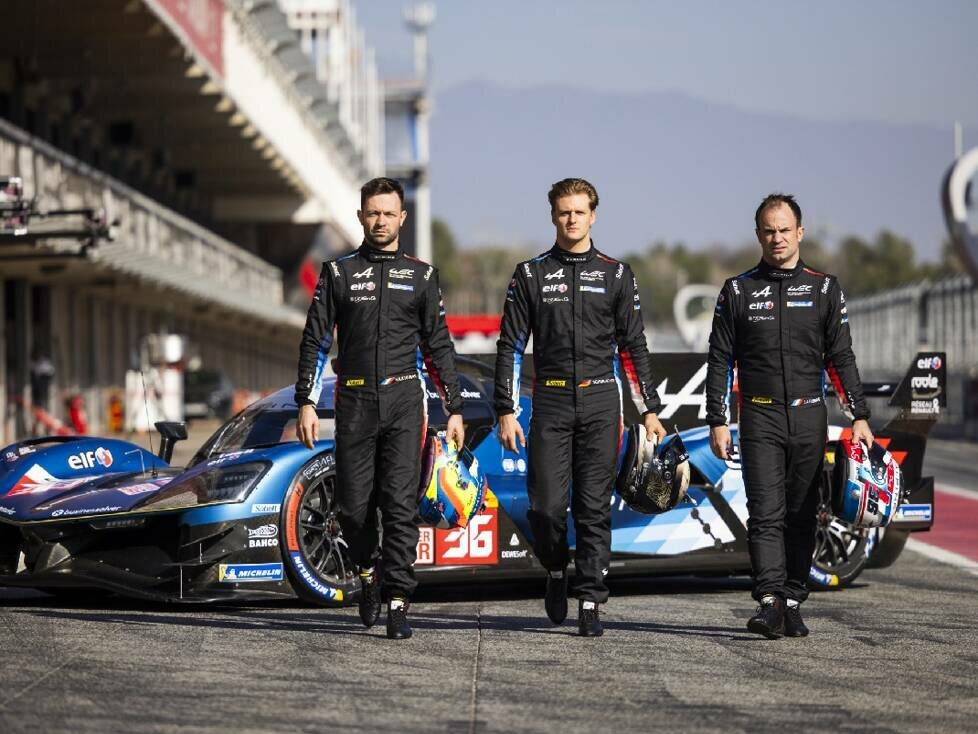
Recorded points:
(316, 556)
(889, 546)
(841, 549)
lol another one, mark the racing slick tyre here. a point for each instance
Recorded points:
(889, 546)
(841, 550)
(315, 556)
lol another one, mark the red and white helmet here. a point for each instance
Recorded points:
(867, 484)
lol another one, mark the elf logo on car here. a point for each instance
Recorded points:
(426, 546)
(929, 363)
(475, 544)
(89, 459)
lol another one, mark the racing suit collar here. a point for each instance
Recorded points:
(569, 258)
(773, 273)
(374, 254)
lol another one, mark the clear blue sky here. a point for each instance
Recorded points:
(903, 61)
(911, 64)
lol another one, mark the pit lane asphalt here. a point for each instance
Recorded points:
(898, 652)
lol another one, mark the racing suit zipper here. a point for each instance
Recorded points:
(578, 299)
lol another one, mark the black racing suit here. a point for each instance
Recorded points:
(783, 330)
(583, 312)
(389, 316)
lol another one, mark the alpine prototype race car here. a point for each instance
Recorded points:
(252, 515)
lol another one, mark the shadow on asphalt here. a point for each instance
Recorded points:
(296, 616)
(519, 590)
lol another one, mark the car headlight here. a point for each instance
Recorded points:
(225, 484)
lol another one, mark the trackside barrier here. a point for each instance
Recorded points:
(888, 326)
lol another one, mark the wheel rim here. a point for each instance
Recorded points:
(320, 538)
(836, 543)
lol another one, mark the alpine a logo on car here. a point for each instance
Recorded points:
(592, 275)
(590, 289)
(765, 292)
(557, 274)
(799, 290)
(266, 508)
(929, 363)
(400, 286)
(368, 273)
(327, 592)
(89, 459)
(554, 288)
(265, 536)
(761, 306)
(400, 273)
(239, 573)
(799, 304)
(366, 285)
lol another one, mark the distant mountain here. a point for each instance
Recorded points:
(674, 168)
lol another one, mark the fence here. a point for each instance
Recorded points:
(889, 328)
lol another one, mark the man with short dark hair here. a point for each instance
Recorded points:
(782, 325)
(583, 311)
(388, 312)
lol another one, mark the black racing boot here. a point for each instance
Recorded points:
(793, 624)
(768, 620)
(397, 624)
(589, 620)
(555, 599)
(369, 598)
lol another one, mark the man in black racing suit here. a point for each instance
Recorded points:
(781, 324)
(388, 313)
(583, 312)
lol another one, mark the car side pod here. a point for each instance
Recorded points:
(170, 433)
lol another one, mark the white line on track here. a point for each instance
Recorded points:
(968, 494)
(943, 556)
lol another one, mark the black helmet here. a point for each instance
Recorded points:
(652, 478)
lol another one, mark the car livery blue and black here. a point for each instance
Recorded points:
(253, 516)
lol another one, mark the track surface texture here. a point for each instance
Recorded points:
(897, 652)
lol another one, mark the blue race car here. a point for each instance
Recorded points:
(252, 515)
